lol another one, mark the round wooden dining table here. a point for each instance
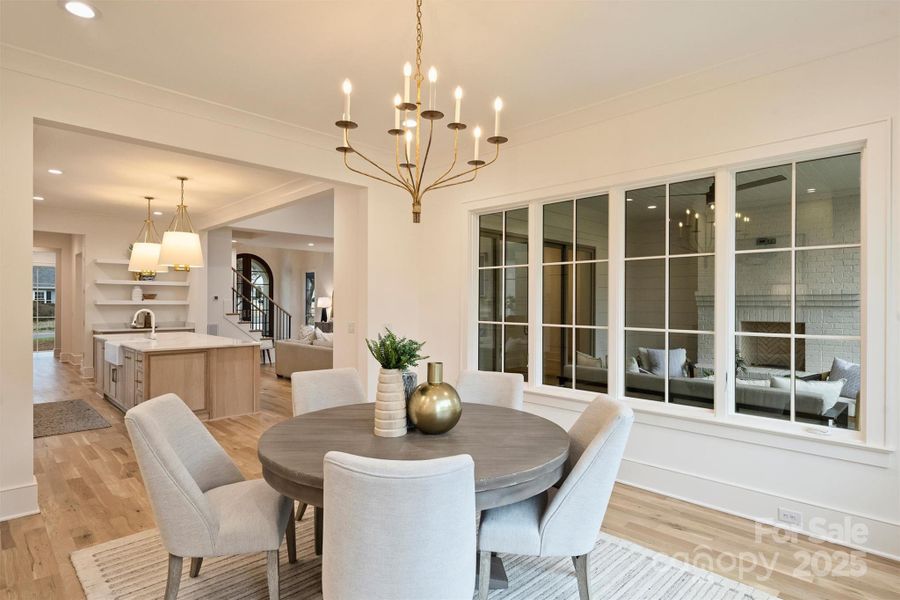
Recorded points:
(517, 455)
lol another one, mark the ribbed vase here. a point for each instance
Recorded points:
(390, 404)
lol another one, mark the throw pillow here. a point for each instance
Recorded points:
(849, 371)
(756, 382)
(829, 391)
(307, 334)
(325, 343)
(583, 359)
(677, 361)
(631, 366)
(322, 336)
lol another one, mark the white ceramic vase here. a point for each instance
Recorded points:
(390, 404)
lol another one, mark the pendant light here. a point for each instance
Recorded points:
(145, 251)
(180, 245)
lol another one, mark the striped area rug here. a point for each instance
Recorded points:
(134, 567)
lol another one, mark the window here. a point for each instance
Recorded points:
(797, 291)
(747, 298)
(575, 274)
(503, 292)
(670, 292)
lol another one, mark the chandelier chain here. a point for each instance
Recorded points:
(419, 41)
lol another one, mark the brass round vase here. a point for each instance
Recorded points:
(434, 407)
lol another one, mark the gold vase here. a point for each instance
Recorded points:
(435, 407)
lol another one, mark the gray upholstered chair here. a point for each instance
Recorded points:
(202, 504)
(564, 521)
(326, 388)
(398, 530)
(486, 387)
(317, 390)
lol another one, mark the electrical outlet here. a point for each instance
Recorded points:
(791, 517)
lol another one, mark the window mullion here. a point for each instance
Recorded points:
(792, 374)
(724, 295)
(616, 293)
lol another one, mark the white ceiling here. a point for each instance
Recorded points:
(111, 176)
(286, 60)
(309, 220)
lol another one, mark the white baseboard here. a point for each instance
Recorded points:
(882, 536)
(19, 501)
(87, 372)
(64, 356)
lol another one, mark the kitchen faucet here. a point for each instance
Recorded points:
(134, 321)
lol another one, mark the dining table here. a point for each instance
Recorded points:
(517, 455)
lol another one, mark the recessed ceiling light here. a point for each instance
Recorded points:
(652, 206)
(38, 198)
(80, 9)
(810, 190)
(54, 171)
(628, 199)
(234, 241)
(310, 244)
(158, 213)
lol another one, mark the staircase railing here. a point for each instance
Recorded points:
(259, 309)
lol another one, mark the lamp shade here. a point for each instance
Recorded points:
(323, 302)
(145, 258)
(181, 250)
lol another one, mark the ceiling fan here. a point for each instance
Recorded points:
(711, 193)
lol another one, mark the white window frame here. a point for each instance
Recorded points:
(872, 140)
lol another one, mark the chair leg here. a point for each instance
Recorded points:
(272, 573)
(319, 525)
(196, 562)
(302, 511)
(173, 579)
(581, 572)
(484, 574)
(290, 535)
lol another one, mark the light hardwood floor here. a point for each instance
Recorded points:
(90, 491)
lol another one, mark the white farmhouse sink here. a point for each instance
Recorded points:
(112, 348)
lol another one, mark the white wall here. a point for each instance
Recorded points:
(374, 236)
(747, 473)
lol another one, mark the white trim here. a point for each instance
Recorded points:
(19, 501)
(636, 473)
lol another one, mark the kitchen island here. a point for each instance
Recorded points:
(215, 376)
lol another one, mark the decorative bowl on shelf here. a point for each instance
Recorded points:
(149, 296)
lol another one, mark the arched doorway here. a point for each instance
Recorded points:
(256, 288)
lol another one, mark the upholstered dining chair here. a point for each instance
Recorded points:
(202, 504)
(421, 543)
(564, 521)
(486, 387)
(326, 388)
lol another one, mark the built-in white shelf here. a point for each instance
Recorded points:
(142, 283)
(141, 303)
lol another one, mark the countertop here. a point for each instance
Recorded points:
(174, 341)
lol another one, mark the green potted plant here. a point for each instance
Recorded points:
(396, 355)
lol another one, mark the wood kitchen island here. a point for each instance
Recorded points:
(215, 376)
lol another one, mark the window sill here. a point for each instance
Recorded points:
(796, 437)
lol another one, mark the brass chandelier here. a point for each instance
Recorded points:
(412, 148)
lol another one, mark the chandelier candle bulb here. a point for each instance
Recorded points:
(458, 95)
(347, 87)
(397, 101)
(407, 72)
(432, 87)
(409, 137)
(498, 106)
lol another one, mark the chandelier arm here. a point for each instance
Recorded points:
(397, 161)
(469, 180)
(381, 179)
(452, 163)
(425, 158)
(399, 182)
(439, 184)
